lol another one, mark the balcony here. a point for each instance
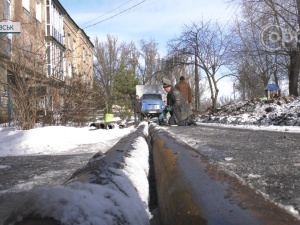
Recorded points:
(57, 38)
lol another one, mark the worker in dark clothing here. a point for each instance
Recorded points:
(179, 109)
(137, 108)
(185, 89)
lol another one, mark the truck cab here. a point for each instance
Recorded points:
(152, 105)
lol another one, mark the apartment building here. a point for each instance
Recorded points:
(50, 45)
(79, 51)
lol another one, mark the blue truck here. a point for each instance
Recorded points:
(153, 99)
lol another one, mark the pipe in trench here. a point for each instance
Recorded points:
(193, 191)
(97, 171)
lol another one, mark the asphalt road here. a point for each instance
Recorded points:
(268, 160)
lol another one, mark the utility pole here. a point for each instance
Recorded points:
(197, 96)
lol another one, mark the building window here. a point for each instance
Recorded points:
(57, 24)
(69, 41)
(8, 44)
(61, 63)
(87, 56)
(70, 69)
(74, 52)
(54, 55)
(8, 9)
(64, 68)
(54, 22)
(48, 20)
(84, 54)
(91, 58)
(26, 5)
(48, 59)
(39, 10)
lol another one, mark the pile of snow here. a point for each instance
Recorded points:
(284, 111)
(56, 140)
(120, 198)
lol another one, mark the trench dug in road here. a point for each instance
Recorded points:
(269, 161)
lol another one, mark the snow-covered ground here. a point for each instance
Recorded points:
(81, 203)
(57, 140)
(283, 111)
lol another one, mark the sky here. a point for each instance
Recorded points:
(133, 20)
(85, 203)
(159, 20)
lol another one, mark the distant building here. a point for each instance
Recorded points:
(49, 39)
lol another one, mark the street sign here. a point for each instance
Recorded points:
(10, 27)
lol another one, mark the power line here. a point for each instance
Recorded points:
(115, 14)
(107, 12)
(233, 10)
(144, 6)
(223, 19)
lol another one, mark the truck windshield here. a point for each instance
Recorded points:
(151, 97)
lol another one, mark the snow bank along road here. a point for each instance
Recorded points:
(195, 185)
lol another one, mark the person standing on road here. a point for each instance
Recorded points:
(185, 89)
(179, 109)
(137, 108)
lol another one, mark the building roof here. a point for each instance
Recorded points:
(64, 11)
(271, 87)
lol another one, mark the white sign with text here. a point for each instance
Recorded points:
(10, 27)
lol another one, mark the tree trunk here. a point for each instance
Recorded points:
(294, 72)
(275, 73)
(276, 78)
(215, 97)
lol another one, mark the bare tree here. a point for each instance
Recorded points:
(184, 51)
(204, 45)
(110, 57)
(129, 56)
(150, 68)
(106, 64)
(78, 103)
(248, 83)
(24, 61)
(278, 33)
(254, 66)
